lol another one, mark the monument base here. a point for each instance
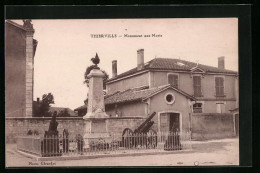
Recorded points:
(96, 135)
(96, 115)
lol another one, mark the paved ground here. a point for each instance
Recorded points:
(204, 153)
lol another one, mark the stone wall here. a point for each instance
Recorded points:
(117, 125)
(204, 126)
(20, 126)
(212, 126)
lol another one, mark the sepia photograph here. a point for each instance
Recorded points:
(121, 92)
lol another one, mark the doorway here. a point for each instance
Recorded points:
(174, 125)
(169, 122)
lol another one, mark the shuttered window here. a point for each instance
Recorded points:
(197, 108)
(197, 86)
(219, 82)
(173, 80)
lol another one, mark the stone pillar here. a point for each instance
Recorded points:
(95, 124)
(96, 105)
(29, 71)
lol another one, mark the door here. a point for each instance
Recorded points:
(164, 123)
(174, 125)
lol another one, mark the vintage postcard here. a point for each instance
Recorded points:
(121, 92)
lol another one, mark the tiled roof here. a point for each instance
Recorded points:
(173, 64)
(81, 107)
(135, 94)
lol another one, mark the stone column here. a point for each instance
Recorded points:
(95, 124)
(96, 105)
(29, 72)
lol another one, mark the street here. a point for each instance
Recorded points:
(203, 153)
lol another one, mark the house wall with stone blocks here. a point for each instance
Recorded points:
(208, 89)
(134, 81)
(181, 105)
(20, 49)
(15, 71)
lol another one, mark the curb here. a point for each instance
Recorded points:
(37, 158)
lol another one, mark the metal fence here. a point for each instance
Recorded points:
(50, 146)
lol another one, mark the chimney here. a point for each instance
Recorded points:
(38, 99)
(140, 59)
(114, 68)
(221, 62)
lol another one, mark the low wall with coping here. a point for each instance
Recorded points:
(212, 126)
(204, 126)
(20, 126)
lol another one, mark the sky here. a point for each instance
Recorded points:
(65, 48)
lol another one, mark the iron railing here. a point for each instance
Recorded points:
(50, 146)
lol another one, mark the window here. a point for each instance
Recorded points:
(197, 86)
(197, 108)
(219, 85)
(220, 108)
(169, 98)
(173, 80)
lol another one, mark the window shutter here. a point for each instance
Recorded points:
(173, 80)
(176, 81)
(197, 85)
(219, 81)
(170, 80)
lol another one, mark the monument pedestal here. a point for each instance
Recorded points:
(96, 132)
(95, 124)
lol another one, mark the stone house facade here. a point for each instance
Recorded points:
(176, 90)
(173, 88)
(20, 48)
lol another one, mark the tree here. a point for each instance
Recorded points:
(42, 108)
(64, 113)
(86, 81)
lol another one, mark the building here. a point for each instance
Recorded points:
(20, 48)
(173, 88)
(215, 89)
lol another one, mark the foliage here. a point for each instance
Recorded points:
(64, 113)
(42, 108)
